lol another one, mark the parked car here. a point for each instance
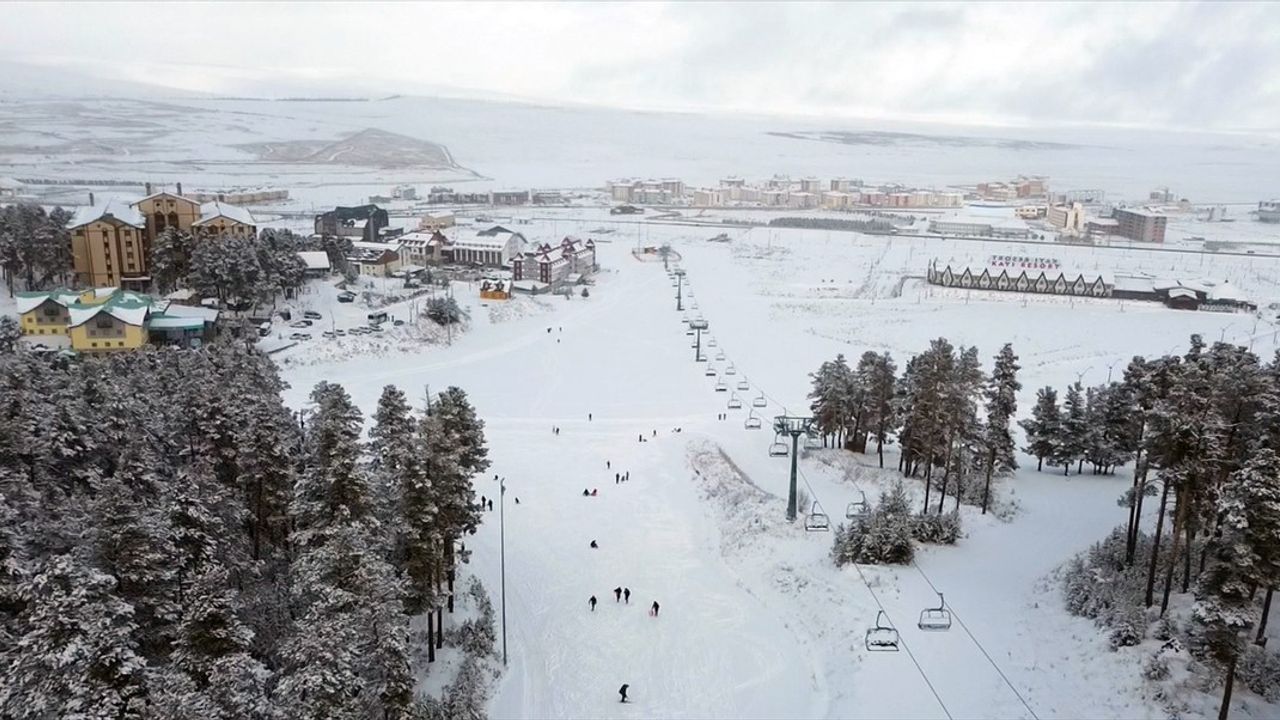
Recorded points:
(284, 314)
(300, 323)
(300, 336)
(264, 329)
(346, 297)
(329, 334)
(398, 323)
(377, 317)
(340, 333)
(375, 328)
(312, 315)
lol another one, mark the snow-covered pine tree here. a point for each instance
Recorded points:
(1002, 404)
(1042, 427)
(880, 384)
(1071, 434)
(170, 258)
(332, 489)
(826, 404)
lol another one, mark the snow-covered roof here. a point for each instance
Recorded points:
(164, 193)
(170, 322)
(314, 259)
(130, 312)
(484, 242)
(28, 301)
(212, 210)
(204, 314)
(116, 208)
(9, 183)
(527, 285)
(1182, 292)
(1227, 291)
(181, 294)
(1133, 283)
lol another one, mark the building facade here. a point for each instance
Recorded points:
(110, 246)
(338, 222)
(1140, 225)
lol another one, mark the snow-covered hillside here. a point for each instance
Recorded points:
(755, 619)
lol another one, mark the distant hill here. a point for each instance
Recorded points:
(368, 148)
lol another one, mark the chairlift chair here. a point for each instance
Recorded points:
(817, 521)
(882, 637)
(711, 342)
(711, 371)
(734, 402)
(760, 401)
(752, 422)
(720, 356)
(731, 370)
(721, 385)
(857, 508)
(743, 384)
(812, 442)
(778, 448)
(935, 619)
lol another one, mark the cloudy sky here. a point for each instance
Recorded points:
(1202, 66)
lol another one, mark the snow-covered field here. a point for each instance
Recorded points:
(755, 620)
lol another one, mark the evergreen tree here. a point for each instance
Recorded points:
(1042, 428)
(880, 385)
(1072, 432)
(333, 488)
(1002, 404)
(170, 258)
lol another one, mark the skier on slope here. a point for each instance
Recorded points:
(653, 609)
(592, 601)
(585, 493)
(594, 545)
(623, 691)
(617, 594)
(626, 594)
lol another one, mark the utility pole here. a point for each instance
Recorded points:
(502, 544)
(679, 287)
(795, 426)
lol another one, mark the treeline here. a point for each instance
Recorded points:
(951, 419)
(176, 543)
(1204, 432)
(35, 247)
(874, 225)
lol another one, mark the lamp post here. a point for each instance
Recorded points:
(502, 545)
(795, 427)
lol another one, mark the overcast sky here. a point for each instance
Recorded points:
(1204, 66)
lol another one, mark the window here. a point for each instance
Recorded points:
(104, 323)
(93, 344)
(51, 312)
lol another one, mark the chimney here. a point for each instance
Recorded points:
(148, 189)
(179, 189)
(90, 199)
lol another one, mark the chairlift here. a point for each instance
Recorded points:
(760, 401)
(734, 402)
(882, 637)
(778, 448)
(711, 371)
(689, 333)
(743, 384)
(711, 342)
(817, 521)
(936, 619)
(812, 442)
(693, 305)
(731, 370)
(857, 508)
(721, 385)
(720, 356)
(752, 422)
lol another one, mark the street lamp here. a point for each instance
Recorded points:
(1109, 366)
(502, 544)
(1080, 375)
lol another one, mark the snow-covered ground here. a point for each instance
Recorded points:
(755, 620)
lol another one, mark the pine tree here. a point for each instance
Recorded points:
(333, 488)
(170, 258)
(1002, 405)
(1072, 432)
(1042, 427)
(880, 385)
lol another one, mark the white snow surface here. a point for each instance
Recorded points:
(756, 622)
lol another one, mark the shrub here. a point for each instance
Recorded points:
(882, 538)
(937, 529)
(1128, 626)
(443, 311)
(1259, 670)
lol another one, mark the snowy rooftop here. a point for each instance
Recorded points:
(212, 210)
(170, 322)
(28, 301)
(315, 259)
(111, 207)
(203, 314)
(130, 312)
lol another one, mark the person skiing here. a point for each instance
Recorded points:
(593, 603)
(608, 465)
(594, 491)
(617, 478)
(517, 501)
(594, 546)
(653, 609)
(482, 502)
(623, 691)
(617, 594)
(585, 493)
(626, 594)
(490, 504)
(627, 476)
(588, 417)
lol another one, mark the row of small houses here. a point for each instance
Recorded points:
(537, 266)
(1050, 279)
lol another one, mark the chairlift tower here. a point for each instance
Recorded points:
(698, 326)
(795, 426)
(679, 273)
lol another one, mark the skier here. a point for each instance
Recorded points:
(608, 465)
(594, 491)
(490, 504)
(482, 502)
(594, 546)
(588, 417)
(628, 475)
(626, 594)
(653, 609)
(617, 594)
(623, 691)
(517, 501)
(548, 331)
(593, 603)
(655, 433)
(585, 493)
